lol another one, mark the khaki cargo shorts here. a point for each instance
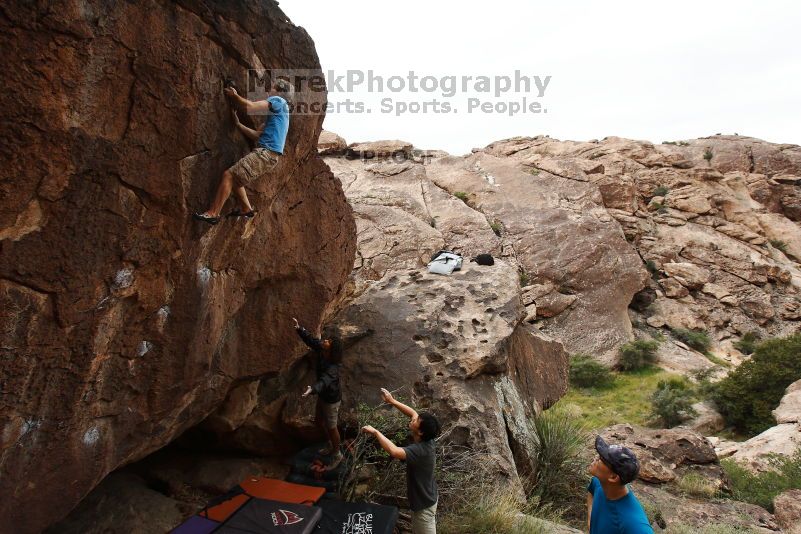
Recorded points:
(327, 413)
(253, 166)
(425, 521)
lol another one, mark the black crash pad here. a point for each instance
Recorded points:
(341, 517)
(260, 516)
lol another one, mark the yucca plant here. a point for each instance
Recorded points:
(558, 441)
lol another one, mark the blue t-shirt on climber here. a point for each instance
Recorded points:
(622, 516)
(276, 126)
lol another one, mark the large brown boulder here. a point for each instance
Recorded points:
(687, 513)
(553, 221)
(456, 344)
(662, 452)
(125, 323)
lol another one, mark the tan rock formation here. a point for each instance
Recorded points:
(710, 237)
(330, 143)
(789, 409)
(780, 439)
(707, 420)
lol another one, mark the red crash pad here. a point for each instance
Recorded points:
(278, 490)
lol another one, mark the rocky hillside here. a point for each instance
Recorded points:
(124, 323)
(699, 234)
(596, 244)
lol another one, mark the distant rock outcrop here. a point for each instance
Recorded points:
(701, 234)
(124, 323)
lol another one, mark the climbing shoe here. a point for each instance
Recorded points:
(237, 213)
(205, 218)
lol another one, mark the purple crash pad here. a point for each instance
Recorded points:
(195, 525)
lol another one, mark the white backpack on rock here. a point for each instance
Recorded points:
(444, 262)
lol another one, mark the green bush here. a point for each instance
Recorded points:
(708, 154)
(750, 392)
(585, 372)
(496, 227)
(637, 354)
(762, 488)
(672, 402)
(779, 244)
(660, 191)
(695, 339)
(461, 195)
(747, 343)
(559, 465)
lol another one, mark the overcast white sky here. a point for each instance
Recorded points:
(643, 70)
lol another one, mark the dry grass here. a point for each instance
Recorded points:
(697, 486)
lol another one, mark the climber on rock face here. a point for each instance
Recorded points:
(263, 159)
(420, 458)
(327, 389)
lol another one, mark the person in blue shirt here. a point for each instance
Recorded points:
(612, 508)
(264, 157)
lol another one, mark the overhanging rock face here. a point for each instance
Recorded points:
(124, 322)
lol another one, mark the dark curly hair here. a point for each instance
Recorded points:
(429, 426)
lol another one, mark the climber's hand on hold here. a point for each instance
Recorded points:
(367, 429)
(230, 92)
(307, 392)
(386, 396)
(295, 323)
(235, 117)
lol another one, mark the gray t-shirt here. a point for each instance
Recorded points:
(420, 483)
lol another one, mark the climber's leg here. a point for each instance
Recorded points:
(327, 417)
(244, 203)
(241, 173)
(223, 192)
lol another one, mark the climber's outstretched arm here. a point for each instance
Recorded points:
(387, 397)
(250, 133)
(262, 106)
(386, 443)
